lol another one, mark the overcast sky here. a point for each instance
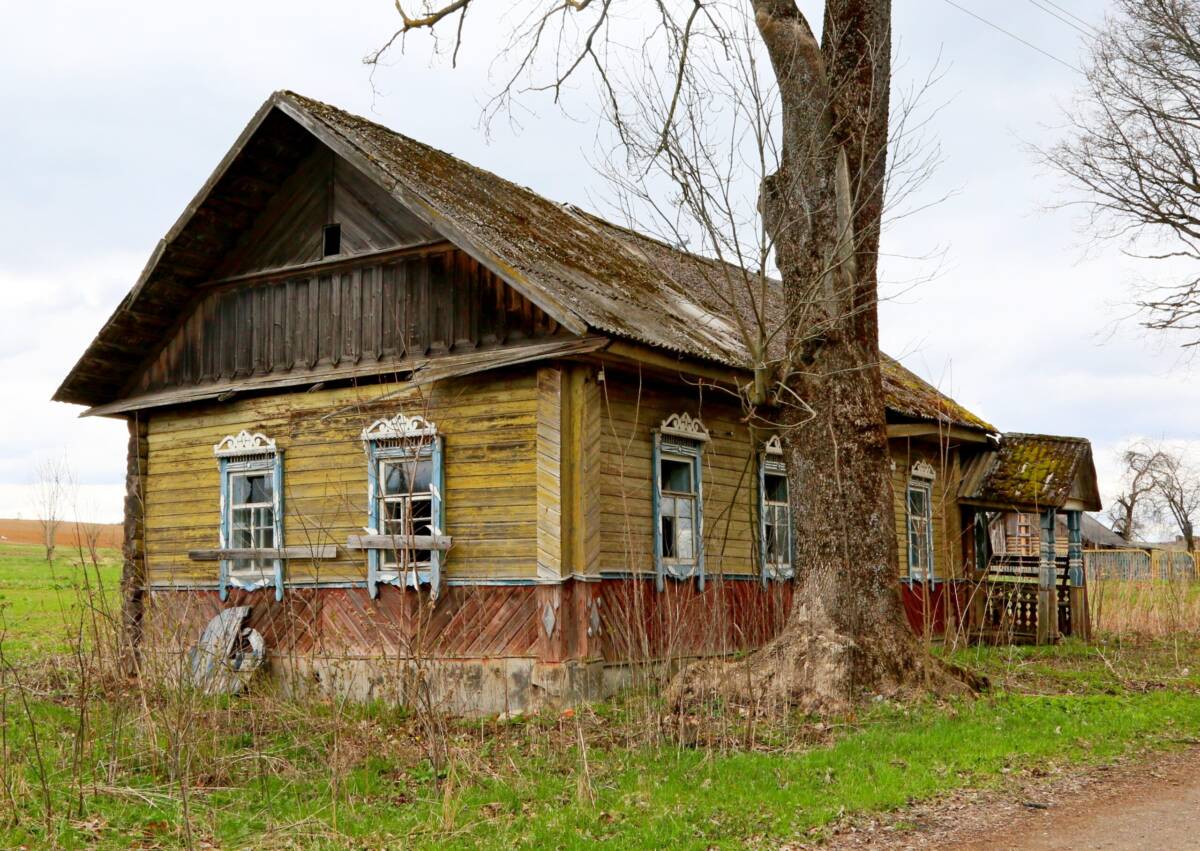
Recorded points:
(114, 115)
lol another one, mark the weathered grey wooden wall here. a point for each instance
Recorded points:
(377, 310)
(324, 189)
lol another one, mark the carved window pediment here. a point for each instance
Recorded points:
(399, 427)
(244, 443)
(686, 426)
(923, 470)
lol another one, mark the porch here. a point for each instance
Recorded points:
(1024, 505)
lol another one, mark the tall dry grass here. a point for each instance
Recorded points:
(1144, 607)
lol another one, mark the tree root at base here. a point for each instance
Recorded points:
(819, 670)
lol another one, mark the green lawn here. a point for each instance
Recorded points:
(41, 603)
(163, 769)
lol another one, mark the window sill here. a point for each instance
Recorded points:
(316, 551)
(399, 542)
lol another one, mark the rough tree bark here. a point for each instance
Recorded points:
(133, 571)
(847, 633)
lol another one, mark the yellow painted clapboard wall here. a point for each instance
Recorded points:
(629, 412)
(489, 423)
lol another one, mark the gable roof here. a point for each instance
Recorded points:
(586, 273)
(1033, 471)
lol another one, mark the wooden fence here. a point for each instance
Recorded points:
(1161, 565)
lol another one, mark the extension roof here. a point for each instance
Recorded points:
(1033, 472)
(584, 272)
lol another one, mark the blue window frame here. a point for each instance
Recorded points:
(919, 503)
(774, 515)
(678, 500)
(405, 487)
(251, 473)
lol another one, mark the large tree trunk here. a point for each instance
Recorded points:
(847, 634)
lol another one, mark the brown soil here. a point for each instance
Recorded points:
(30, 532)
(1153, 803)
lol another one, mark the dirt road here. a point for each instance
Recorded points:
(1162, 813)
(1153, 803)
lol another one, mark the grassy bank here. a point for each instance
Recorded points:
(95, 761)
(41, 602)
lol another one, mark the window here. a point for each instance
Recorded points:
(251, 469)
(406, 503)
(331, 240)
(677, 516)
(404, 481)
(775, 514)
(920, 522)
(678, 499)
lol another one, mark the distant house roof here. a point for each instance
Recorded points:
(1033, 472)
(1097, 534)
(586, 273)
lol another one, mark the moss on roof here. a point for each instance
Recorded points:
(911, 396)
(1033, 470)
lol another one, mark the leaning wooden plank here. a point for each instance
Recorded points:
(398, 542)
(322, 551)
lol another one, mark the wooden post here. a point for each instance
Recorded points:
(1047, 614)
(133, 572)
(1077, 580)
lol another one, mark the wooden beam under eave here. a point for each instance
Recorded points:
(636, 354)
(422, 370)
(934, 430)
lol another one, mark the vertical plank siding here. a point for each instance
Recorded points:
(375, 311)
(323, 189)
(641, 623)
(490, 433)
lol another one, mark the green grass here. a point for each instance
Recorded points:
(40, 603)
(267, 771)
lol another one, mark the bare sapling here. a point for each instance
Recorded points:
(51, 496)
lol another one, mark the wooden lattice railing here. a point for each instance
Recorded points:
(1011, 601)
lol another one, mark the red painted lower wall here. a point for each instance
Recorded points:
(611, 619)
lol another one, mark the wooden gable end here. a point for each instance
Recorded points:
(323, 190)
(341, 320)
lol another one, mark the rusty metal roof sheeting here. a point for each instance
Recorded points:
(1033, 472)
(583, 271)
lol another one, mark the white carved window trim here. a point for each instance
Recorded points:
(239, 456)
(922, 469)
(244, 443)
(686, 426)
(681, 439)
(399, 427)
(387, 441)
(771, 463)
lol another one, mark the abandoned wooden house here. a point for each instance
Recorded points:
(409, 412)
